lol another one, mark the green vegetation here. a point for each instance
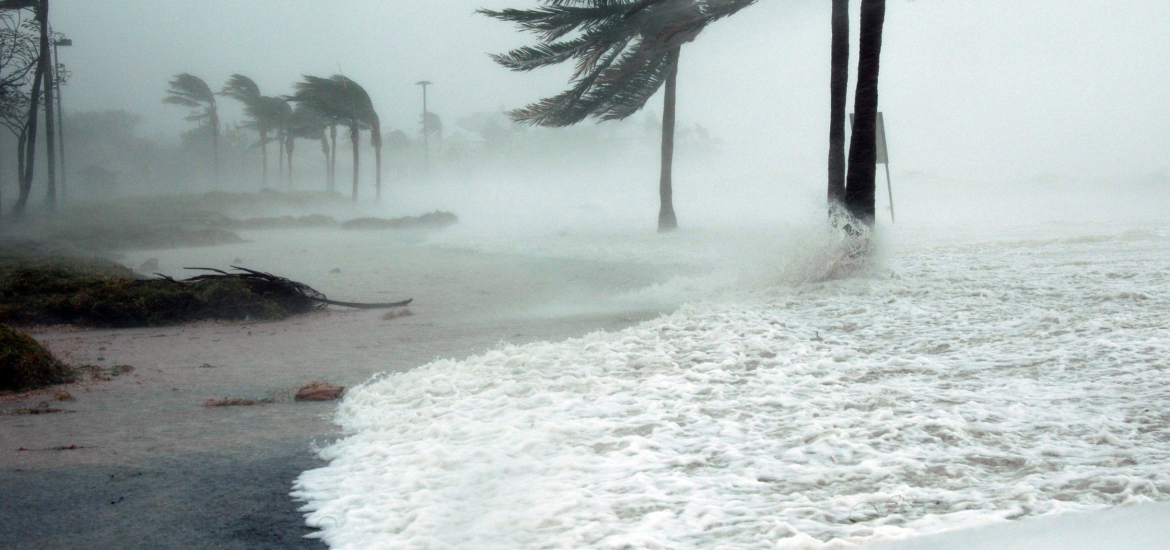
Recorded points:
(26, 365)
(54, 288)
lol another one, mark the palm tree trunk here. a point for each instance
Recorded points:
(859, 189)
(355, 138)
(325, 150)
(333, 158)
(264, 158)
(280, 160)
(291, 145)
(22, 189)
(376, 141)
(50, 119)
(30, 142)
(215, 141)
(838, 97)
(666, 218)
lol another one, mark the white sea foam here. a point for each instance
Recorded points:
(958, 384)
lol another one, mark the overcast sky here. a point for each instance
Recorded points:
(1005, 88)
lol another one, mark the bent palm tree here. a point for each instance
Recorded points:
(342, 101)
(305, 123)
(191, 91)
(263, 113)
(624, 52)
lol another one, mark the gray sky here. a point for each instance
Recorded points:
(998, 88)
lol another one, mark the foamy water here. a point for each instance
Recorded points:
(959, 382)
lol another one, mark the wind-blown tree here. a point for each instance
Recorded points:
(624, 51)
(838, 97)
(342, 101)
(305, 123)
(18, 58)
(187, 90)
(859, 185)
(281, 112)
(264, 113)
(42, 76)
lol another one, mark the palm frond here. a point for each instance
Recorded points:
(620, 47)
(189, 91)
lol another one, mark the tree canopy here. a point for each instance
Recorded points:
(621, 50)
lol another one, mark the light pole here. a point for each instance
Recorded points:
(66, 42)
(426, 130)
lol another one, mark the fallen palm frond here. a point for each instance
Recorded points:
(271, 284)
(46, 289)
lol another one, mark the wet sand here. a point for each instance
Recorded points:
(153, 468)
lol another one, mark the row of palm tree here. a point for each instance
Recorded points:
(626, 50)
(322, 104)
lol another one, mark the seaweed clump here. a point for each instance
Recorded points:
(26, 365)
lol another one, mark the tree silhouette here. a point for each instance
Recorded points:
(859, 186)
(838, 97)
(265, 114)
(342, 101)
(305, 123)
(187, 90)
(18, 60)
(624, 51)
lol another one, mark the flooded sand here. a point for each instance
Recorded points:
(153, 468)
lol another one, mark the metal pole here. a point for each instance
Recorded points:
(426, 132)
(60, 111)
(890, 191)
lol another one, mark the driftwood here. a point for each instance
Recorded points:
(268, 281)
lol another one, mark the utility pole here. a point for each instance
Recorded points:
(60, 112)
(426, 130)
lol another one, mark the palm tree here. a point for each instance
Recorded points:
(838, 97)
(305, 123)
(262, 117)
(342, 101)
(859, 186)
(191, 91)
(624, 51)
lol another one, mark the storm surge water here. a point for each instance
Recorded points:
(959, 381)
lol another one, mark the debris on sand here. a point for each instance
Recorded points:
(319, 391)
(39, 287)
(390, 316)
(103, 374)
(232, 402)
(26, 365)
(41, 408)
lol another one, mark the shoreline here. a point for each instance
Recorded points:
(151, 460)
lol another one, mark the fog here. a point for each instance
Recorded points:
(995, 91)
(566, 375)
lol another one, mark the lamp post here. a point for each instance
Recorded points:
(426, 130)
(66, 42)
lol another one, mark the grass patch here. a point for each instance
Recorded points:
(26, 365)
(56, 288)
(433, 219)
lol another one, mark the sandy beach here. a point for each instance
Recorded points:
(153, 468)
